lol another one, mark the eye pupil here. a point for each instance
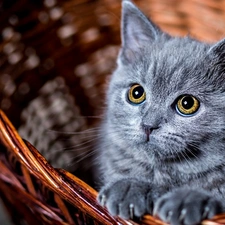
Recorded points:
(138, 92)
(187, 102)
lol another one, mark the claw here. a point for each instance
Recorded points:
(206, 212)
(169, 215)
(182, 215)
(131, 208)
(103, 200)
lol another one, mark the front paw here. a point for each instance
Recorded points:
(127, 198)
(186, 207)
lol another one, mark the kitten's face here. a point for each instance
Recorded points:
(167, 95)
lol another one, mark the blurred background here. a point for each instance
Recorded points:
(56, 57)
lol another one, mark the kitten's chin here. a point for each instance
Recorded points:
(153, 149)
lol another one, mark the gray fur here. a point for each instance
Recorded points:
(185, 155)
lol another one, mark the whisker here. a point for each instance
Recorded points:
(91, 153)
(91, 130)
(78, 145)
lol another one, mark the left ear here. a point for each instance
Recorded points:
(137, 31)
(218, 50)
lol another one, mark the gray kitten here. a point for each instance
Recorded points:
(163, 137)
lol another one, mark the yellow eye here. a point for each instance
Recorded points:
(187, 105)
(136, 94)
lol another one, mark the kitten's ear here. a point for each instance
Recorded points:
(218, 50)
(137, 31)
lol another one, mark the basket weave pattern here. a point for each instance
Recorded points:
(64, 52)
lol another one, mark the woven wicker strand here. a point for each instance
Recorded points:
(66, 188)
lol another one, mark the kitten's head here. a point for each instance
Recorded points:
(167, 95)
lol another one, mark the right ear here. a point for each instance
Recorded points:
(137, 31)
(218, 50)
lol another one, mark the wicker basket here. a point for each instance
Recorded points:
(69, 48)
